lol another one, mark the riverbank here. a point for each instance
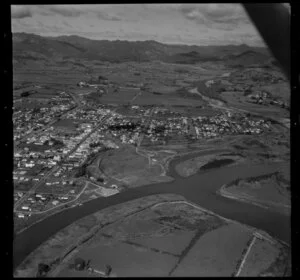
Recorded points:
(274, 223)
(194, 165)
(64, 242)
(270, 191)
(165, 228)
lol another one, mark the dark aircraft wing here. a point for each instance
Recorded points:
(273, 23)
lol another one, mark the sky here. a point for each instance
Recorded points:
(190, 24)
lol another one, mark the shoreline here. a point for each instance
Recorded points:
(169, 174)
(138, 194)
(244, 198)
(95, 228)
(77, 244)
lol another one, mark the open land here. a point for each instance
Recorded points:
(271, 190)
(162, 232)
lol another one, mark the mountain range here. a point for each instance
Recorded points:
(31, 47)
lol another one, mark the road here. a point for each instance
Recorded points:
(51, 123)
(33, 189)
(141, 137)
(60, 205)
(138, 94)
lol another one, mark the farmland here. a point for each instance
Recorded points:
(160, 232)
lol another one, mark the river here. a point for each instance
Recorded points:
(200, 188)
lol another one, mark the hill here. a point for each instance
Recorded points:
(31, 47)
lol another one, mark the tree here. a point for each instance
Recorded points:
(80, 264)
(80, 171)
(88, 264)
(101, 78)
(25, 94)
(43, 269)
(100, 179)
(108, 270)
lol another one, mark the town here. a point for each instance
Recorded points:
(52, 143)
(150, 140)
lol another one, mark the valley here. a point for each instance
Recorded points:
(98, 124)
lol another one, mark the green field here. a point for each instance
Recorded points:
(67, 123)
(166, 100)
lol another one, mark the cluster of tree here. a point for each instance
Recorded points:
(56, 142)
(101, 78)
(36, 110)
(234, 182)
(131, 126)
(81, 170)
(43, 269)
(247, 92)
(262, 177)
(156, 93)
(100, 180)
(216, 163)
(95, 144)
(159, 129)
(25, 94)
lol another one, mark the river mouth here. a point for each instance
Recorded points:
(200, 188)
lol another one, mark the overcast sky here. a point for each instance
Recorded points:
(199, 24)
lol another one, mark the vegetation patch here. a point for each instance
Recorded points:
(216, 164)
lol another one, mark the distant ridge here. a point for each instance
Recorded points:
(36, 47)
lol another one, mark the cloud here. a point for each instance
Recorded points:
(66, 11)
(75, 11)
(66, 24)
(105, 16)
(220, 16)
(20, 12)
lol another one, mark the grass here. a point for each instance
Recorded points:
(67, 238)
(270, 190)
(211, 92)
(176, 239)
(279, 90)
(123, 161)
(215, 253)
(260, 257)
(67, 123)
(166, 100)
(144, 236)
(127, 168)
